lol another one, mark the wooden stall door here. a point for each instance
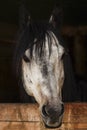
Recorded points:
(27, 117)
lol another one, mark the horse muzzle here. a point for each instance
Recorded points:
(52, 115)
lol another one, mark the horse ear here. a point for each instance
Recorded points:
(56, 17)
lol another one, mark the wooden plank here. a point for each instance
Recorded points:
(74, 112)
(27, 117)
(19, 112)
(19, 126)
(37, 126)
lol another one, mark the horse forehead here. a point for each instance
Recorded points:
(53, 43)
(56, 47)
(53, 38)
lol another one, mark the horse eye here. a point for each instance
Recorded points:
(26, 59)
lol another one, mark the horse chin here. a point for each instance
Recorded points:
(52, 124)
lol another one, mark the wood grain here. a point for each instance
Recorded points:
(27, 117)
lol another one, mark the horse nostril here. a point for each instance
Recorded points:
(50, 111)
(44, 111)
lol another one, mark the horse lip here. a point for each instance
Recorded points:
(53, 125)
(56, 126)
(49, 124)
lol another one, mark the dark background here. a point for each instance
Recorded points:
(74, 33)
(75, 11)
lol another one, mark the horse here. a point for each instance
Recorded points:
(40, 66)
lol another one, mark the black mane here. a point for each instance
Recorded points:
(26, 40)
